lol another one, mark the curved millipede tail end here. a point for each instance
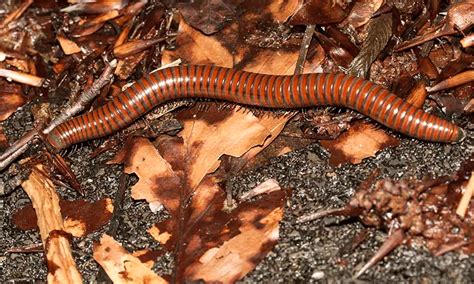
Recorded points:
(461, 135)
(55, 140)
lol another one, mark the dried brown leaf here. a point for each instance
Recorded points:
(320, 12)
(120, 265)
(208, 16)
(209, 135)
(142, 158)
(80, 217)
(246, 233)
(198, 48)
(229, 48)
(361, 13)
(363, 140)
(68, 46)
(281, 10)
(236, 257)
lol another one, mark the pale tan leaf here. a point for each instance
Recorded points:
(45, 200)
(120, 265)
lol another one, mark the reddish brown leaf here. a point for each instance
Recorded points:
(320, 12)
(80, 217)
(9, 102)
(362, 12)
(280, 10)
(362, 140)
(208, 16)
(213, 243)
(142, 158)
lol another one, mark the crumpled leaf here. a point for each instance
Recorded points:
(174, 174)
(425, 210)
(379, 32)
(208, 16)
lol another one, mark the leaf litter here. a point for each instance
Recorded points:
(188, 173)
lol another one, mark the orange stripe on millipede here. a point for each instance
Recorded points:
(319, 89)
(261, 92)
(429, 129)
(411, 120)
(270, 99)
(304, 90)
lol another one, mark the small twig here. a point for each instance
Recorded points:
(21, 145)
(459, 79)
(115, 220)
(16, 14)
(466, 198)
(344, 211)
(393, 241)
(21, 77)
(445, 248)
(308, 35)
(85, 98)
(18, 151)
(467, 41)
(18, 146)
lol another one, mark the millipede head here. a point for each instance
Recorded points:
(461, 135)
(55, 140)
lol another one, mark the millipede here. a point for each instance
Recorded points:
(262, 90)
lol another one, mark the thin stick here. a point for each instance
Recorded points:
(21, 77)
(459, 79)
(16, 14)
(14, 155)
(20, 146)
(308, 35)
(393, 241)
(85, 98)
(466, 198)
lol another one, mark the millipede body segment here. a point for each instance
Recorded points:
(271, 91)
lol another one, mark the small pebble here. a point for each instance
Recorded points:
(317, 275)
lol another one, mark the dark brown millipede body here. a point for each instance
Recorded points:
(298, 91)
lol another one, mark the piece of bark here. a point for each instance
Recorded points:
(45, 200)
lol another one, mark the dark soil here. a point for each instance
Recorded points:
(304, 252)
